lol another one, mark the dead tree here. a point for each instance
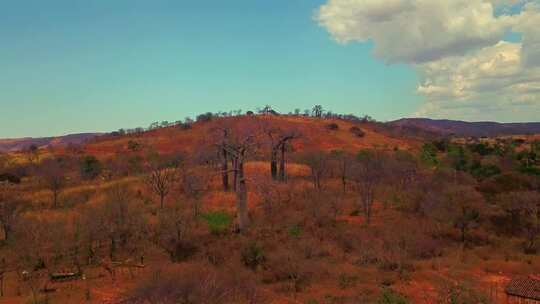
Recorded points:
(342, 163)
(367, 174)
(160, 181)
(52, 174)
(318, 162)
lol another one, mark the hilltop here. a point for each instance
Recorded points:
(323, 134)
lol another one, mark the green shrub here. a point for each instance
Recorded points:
(295, 231)
(253, 255)
(90, 167)
(346, 281)
(389, 296)
(218, 221)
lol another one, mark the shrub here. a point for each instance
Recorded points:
(355, 212)
(195, 283)
(332, 126)
(184, 125)
(90, 167)
(295, 231)
(389, 296)
(253, 256)
(346, 281)
(10, 178)
(205, 117)
(218, 221)
(133, 145)
(357, 131)
(460, 294)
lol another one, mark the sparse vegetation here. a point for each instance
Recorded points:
(253, 208)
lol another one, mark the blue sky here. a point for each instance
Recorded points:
(98, 65)
(74, 66)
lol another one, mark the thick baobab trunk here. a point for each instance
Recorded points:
(241, 199)
(282, 163)
(225, 170)
(273, 163)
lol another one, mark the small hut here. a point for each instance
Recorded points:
(523, 290)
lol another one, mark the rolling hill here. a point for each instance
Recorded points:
(464, 128)
(17, 144)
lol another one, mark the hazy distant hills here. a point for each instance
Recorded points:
(15, 144)
(463, 128)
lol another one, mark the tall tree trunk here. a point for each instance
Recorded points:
(235, 173)
(55, 198)
(273, 163)
(241, 199)
(161, 200)
(225, 170)
(112, 250)
(282, 163)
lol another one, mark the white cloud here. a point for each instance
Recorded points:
(466, 70)
(491, 81)
(414, 30)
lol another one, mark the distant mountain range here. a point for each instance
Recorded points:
(464, 128)
(16, 144)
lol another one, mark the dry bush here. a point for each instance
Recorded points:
(196, 284)
(357, 132)
(288, 266)
(332, 126)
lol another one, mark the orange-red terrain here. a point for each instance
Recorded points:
(335, 271)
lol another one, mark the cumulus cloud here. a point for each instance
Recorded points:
(493, 80)
(465, 67)
(414, 30)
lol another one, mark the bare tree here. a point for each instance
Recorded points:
(522, 215)
(32, 154)
(52, 173)
(161, 178)
(318, 162)
(172, 231)
(460, 206)
(193, 183)
(342, 164)
(124, 224)
(367, 173)
(278, 140)
(9, 212)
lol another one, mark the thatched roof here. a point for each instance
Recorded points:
(525, 287)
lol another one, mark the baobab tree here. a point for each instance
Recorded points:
(279, 140)
(239, 145)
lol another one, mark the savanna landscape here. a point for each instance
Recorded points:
(270, 152)
(263, 207)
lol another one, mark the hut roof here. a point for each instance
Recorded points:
(525, 287)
